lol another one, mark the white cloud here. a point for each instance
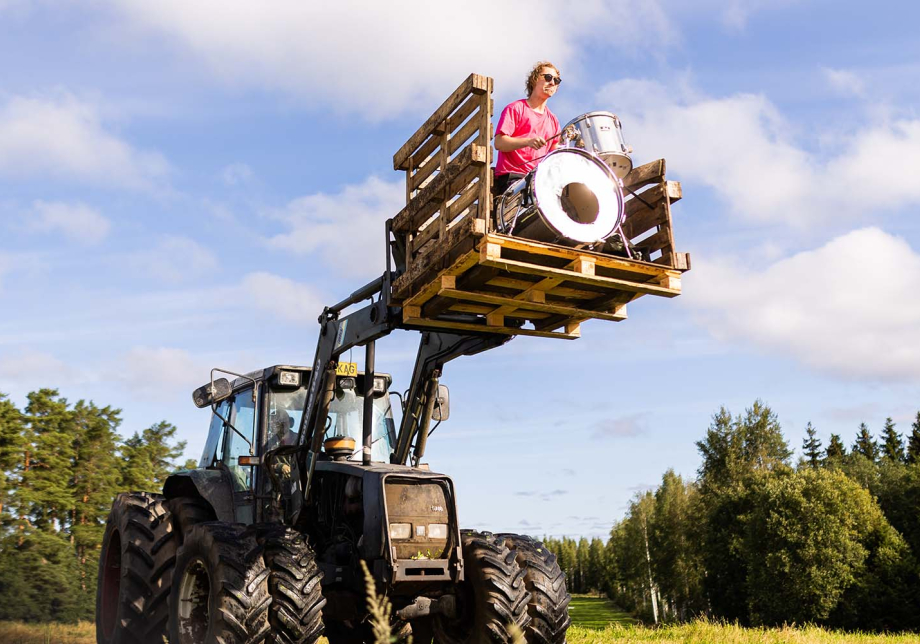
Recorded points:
(174, 259)
(237, 174)
(848, 308)
(742, 147)
(344, 228)
(63, 137)
(844, 81)
(153, 370)
(76, 221)
(282, 298)
(381, 59)
(28, 367)
(623, 427)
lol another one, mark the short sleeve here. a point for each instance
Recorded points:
(507, 122)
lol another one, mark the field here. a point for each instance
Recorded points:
(594, 621)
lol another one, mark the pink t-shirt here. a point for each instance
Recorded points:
(518, 119)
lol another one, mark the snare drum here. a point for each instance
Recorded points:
(571, 197)
(601, 133)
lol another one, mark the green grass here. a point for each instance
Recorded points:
(596, 613)
(702, 632)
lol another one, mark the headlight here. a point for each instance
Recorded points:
(400, 530)
(289, 378)
(437, 530)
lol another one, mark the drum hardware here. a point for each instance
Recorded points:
(601, 134)
(571, 197)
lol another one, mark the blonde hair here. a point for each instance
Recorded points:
(535, 74)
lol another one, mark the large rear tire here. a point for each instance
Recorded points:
(220, 587)
(187, 511)
(135, 571)
(549, 601)
(296, 613)
(492, 596)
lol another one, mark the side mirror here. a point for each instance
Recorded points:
(441, 409)
(211, 393)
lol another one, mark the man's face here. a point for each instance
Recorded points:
(545, 88)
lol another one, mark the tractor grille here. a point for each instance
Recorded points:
(419, 519)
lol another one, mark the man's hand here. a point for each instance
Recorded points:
(536, 142)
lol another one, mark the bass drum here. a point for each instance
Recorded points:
(571, 198)
(601, 134)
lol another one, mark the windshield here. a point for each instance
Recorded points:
(285, 407)
(346, 418)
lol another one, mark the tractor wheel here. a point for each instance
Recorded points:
(492, 596)
(220, 587)
(549, 601)
(135, 571)
(296, 613)
(187, 511)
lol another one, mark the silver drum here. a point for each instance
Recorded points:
(571, 197)
(600, 133)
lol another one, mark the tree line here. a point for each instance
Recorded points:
(833, 539)
(61, 466)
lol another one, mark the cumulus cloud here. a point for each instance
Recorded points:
(622, 427)
(381, 59)
(741, 147)
(344, 228)
(844, 81)
(64, 137)
(153, 370)
(174, 259)
(76, 221)
(282, 297)
(848, 308)
(27, 367)
(237, 174)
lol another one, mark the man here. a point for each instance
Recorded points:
(525, 129)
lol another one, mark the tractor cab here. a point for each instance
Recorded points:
(261, 411)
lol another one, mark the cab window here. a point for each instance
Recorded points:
(213, 447)
(243, 418)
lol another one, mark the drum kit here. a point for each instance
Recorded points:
(575, 194)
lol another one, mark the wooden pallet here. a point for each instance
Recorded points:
(448, 181)
(520, 287)
(455, 272)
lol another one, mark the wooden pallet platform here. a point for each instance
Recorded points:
(521, 287)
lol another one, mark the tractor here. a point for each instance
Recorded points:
(305, 481)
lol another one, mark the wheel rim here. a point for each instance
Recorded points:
(194, 593)
(111, 584)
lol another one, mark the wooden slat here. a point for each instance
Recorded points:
(659, 241)
(425, 170)
(558, 291)
(453, 121)
(645, 219)
(569, 276)
(474, 83)
(460, 326)
(466, 198)
(464, 133)
(477, 309)
(551, 250)
(420, 208)
(524, 305)
(645, 174)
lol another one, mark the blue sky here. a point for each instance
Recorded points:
(184, 185)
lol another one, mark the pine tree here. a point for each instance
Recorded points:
(11, 444)
(811, 446)
(148, 458)
(835, 452)
(45, 498)
(892, 445)
(913, 442)
(865, 444)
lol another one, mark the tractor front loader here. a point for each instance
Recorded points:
(304, 475)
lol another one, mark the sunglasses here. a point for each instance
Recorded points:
(555, 79)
